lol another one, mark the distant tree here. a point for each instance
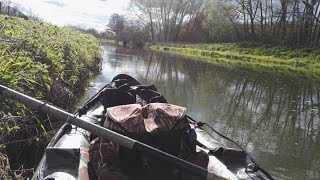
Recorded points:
(4, 3)
(286, 22)
(194, 31)
(108, 34)
(128, 31)
(33, 16)
(221, 23)
(10, 8)
(94, 32)
(144, 11)
(91, 31)
(166, 19)
(136, 33)
(117, 25)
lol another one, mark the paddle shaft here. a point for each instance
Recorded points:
(106, 133)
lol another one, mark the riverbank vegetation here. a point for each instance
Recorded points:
(274, 60)
(44, 61)
(277, 22)
(279, 37)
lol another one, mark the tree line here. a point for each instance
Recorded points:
(285, 22)
(7, 9)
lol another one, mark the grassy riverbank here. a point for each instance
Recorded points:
(44, 61)
(280, 61)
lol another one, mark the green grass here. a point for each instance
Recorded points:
(40, 55)
(45, 61)
(280, 61)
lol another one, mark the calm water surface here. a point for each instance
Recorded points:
(276, 120)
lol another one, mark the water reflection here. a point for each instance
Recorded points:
(277, 120)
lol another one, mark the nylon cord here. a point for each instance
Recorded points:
(256, 165)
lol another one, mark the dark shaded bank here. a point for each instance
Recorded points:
(47, 62)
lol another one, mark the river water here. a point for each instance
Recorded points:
(276, 120)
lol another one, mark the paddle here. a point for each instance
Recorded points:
(108, 134)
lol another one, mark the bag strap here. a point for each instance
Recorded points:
(149, 95)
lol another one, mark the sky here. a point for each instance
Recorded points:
(83, 13)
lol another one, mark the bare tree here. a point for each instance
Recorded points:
(117, 25)
(144, 11)
(167, 18)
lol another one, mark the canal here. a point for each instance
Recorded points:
(276, 120)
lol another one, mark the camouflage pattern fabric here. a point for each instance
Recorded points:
(160, 125)
(83, 165)
(104, 156)
(151, 118)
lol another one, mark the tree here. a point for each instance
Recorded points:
(117, 25)
(194, 30)
(128, 31)
(167, 18)
(136, 33)
(287, 22)
(221, 23)
(144, 11)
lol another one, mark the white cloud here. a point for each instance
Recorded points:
(86, 13)
(57, 3)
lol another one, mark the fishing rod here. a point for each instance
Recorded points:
(111, 135)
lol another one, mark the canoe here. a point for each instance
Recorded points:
(67, 157)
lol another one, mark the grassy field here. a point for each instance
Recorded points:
(279, 61)
(44, 61)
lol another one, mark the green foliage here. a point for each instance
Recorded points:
(45, 61)
(281, 61)
(40, 55)
(219, 22)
